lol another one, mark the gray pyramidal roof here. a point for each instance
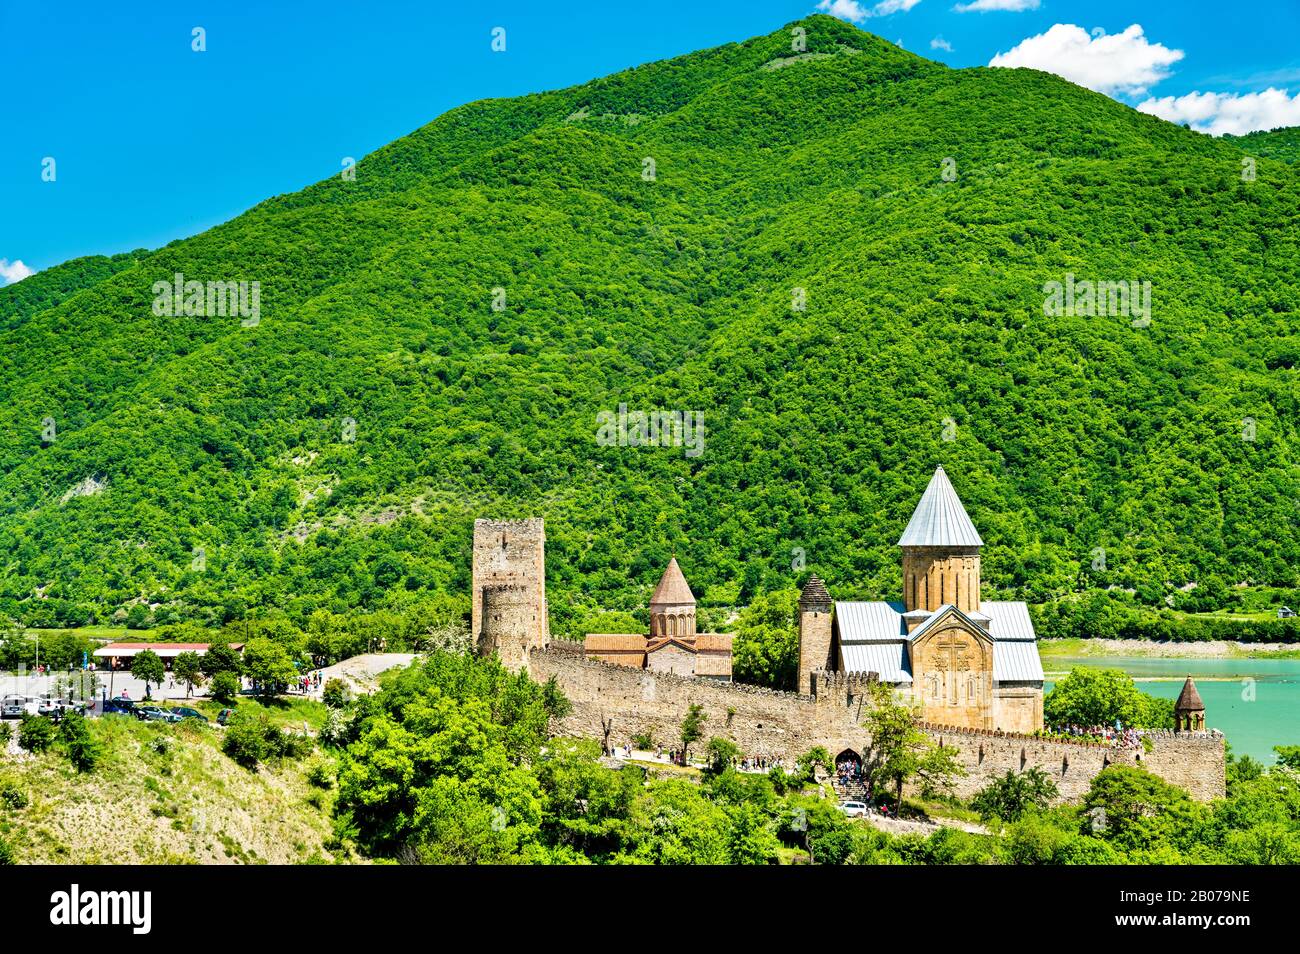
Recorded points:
(672, 588)
(940, 520)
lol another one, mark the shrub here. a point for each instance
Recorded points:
(722, 753)
(1015, 794)
(225, 687)
(337, 730)
(35, 733)
(82, 749)
(12, 795)
(252, 738)
(643, 741)
(319, 776)
(336, 694)
(6, 853)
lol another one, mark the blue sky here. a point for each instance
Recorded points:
(153, 141)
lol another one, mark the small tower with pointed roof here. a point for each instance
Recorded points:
(941, 552)
(672, 607)
(814, 632)
(1189, 710)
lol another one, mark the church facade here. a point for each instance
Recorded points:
(965, 661)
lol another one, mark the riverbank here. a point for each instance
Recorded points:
(1146, 649)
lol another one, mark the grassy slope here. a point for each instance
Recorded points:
(162, 795)
(925, 304)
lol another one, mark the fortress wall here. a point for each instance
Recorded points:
(763, 722)
(1194, 761)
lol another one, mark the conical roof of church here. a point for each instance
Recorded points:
(672, 586)
(1189, 698)
(939, 519)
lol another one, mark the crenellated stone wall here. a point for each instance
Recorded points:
(1191, 760)
(770, 724)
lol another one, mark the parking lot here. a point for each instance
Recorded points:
(32, 688)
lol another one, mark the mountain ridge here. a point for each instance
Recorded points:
(924, 305)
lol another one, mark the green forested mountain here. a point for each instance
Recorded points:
(1171, 444)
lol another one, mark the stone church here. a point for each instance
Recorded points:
(672, 645)
(966, 661)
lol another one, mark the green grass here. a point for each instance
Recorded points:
(284, 711)
(97, 633)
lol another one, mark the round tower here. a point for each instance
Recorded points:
(941, 552)
(672, 607)
(508, 624)
(1189, 710)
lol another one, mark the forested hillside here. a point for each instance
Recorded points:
(336, 453)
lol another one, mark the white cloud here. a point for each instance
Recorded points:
(14, 271)
(985, 6)
(852, 10)
(1236, 113)
(1109, 63)
(939, 43)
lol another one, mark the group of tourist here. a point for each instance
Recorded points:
(309, 682)
(1116, 735)
(848, 771)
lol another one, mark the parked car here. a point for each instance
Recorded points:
(13, 707)
(149, 713)
(185, 712)
(854, 809)
(119, 707)
(47, 706)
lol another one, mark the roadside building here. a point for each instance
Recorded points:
(118, 655)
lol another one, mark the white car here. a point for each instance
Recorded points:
(47, 706)
(854, 809)
(14, 707)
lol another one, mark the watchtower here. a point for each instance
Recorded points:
(510, 610)
(814, 632)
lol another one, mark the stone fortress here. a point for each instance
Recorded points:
(945, 649)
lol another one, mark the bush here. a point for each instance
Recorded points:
(1015, 794)
(336, 694)
(83, 751)
(35, 733)
(6, 853)
(12, 795)
(225, 687)
(319, 776)
(337, 730)
(721, 753)
(252, 738)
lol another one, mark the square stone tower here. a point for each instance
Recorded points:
(510, 588)
(816, 653)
